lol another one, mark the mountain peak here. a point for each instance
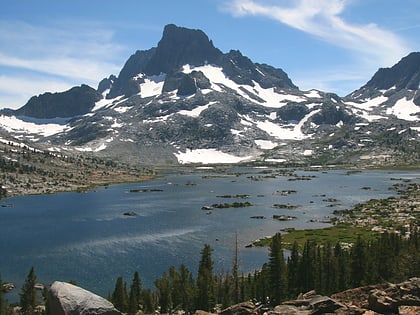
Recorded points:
(180, 46)
(403, 75)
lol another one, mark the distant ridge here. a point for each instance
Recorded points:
(73, 102)
(185, 101)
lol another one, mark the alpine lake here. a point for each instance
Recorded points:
(95, 236)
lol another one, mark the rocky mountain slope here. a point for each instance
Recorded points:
(27, 170)
(185, 101)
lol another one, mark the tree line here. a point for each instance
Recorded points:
(326, 268)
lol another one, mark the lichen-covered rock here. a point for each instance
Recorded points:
(68, 299)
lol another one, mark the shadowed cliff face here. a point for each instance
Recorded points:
(74, 102)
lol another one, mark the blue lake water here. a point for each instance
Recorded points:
(87, 238)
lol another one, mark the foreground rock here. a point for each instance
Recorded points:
(245, 308)
(66, 299)
(402, 299)
(388, 298)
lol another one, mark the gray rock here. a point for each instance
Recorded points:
(68, 299)
(323, 304)
(288, 310)
(245, 308)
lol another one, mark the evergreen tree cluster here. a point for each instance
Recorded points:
(326, 268)
(329, 268)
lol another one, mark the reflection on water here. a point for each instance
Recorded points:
(88, 237)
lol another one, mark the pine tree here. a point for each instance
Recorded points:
(262, 284)
(205, 280)
(135, 294)
(148, 302)
(330, 270)
(176, 287)
(307, 267)
(119, 296)
(235, 293)
(277, 271)
(293, 271)
(28, 296)
(358, 263)
(187, 287)
(164, 288)
(343, 268)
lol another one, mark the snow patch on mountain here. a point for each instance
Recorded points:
(265, 144)
(122, 109)
(44, 127)
(268, 97)
(313, 94)
(308, 152)
(208, 156)
(100, 147)
(369, 104)
(152, 85)
(196, 111)
(104, 103)
(405, 109)
(290, 131)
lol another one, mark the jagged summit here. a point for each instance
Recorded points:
(403, 75)
(180, 46)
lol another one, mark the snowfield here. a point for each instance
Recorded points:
(153, 85)
(208, 156)
(265, 144)
(269, 97)
(44, 127)
(405, 109)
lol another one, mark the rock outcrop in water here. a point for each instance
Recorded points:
(66, 299)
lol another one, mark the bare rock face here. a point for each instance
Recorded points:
(68, 299)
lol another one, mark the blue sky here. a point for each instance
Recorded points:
(331, 45)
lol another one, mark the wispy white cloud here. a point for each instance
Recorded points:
(86, 70)
(70, 52)
(35, 59)
(323, 19)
